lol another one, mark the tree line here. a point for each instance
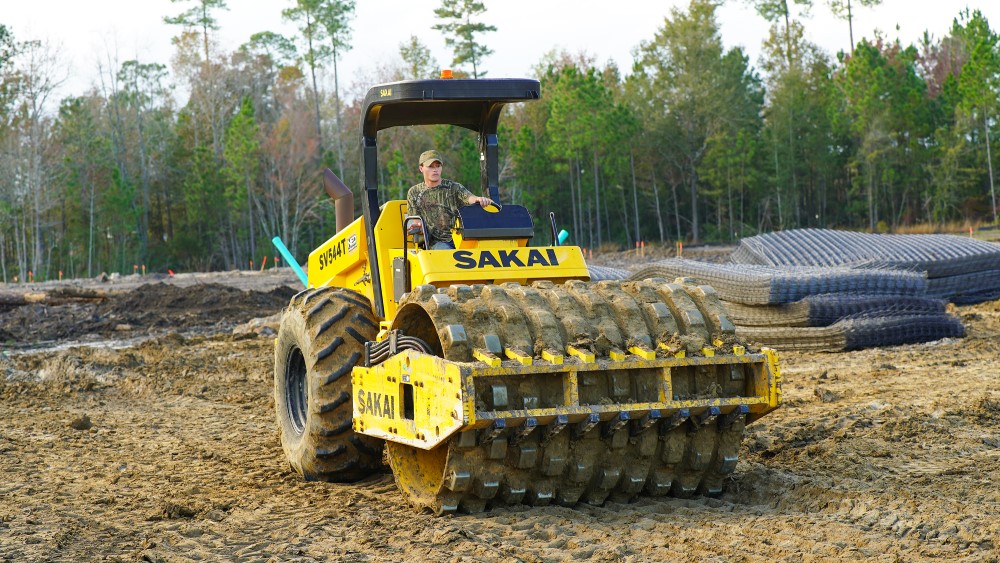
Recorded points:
(694, 142)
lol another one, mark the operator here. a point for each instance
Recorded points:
(437, 201)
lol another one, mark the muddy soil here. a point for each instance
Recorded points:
(158, 443)
(149, 309)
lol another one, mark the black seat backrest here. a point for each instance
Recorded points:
(512, 221)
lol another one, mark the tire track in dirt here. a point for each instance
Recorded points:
(888, 454)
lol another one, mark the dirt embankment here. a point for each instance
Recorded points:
(96, 312)
(166, 450)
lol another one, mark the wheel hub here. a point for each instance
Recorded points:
(296, 395)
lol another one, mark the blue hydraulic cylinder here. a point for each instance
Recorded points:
(289, 259)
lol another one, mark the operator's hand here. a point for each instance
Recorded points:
(482, 201)
(415, 226)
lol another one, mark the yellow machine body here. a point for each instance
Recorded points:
(342, 260)
(499, 372)
(422, 400)
(529, 368)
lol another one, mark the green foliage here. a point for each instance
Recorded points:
(8, 83)
(306, 13)
(6, 46)
(241, 157)
(275, 48)
(460, 31)
(534, 179)
(775, 10)
(399, 148)
(976, 93)
(844, 9)
(86, 167)
(142, 83)
(691, 142)
(588, 131)
(241, 153)
(888, 121)
(335, 17)
(417, 60)
(461, 153)
(240, 173)
(398, 177)
(711, 94)
(799, 132)
(321, 20)
(199, 16)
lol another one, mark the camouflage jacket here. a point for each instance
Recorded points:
(438, 206)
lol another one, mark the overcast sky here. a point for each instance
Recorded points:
(87, 31)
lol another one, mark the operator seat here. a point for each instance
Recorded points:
(508, 222)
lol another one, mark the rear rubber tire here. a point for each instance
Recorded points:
(320, 340)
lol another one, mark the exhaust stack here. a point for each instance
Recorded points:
(342, 196)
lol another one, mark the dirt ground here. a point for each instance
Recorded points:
(141, 428)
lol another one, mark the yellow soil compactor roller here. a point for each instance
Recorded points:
(497, 373)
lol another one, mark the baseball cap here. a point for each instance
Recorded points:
(430, 156)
